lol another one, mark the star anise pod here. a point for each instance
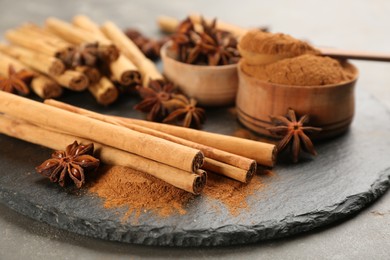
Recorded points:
(73, 163)
(84, 54)
(16, 81)
(185, 110)
(294, 133)
(153, 96)
(149, 47)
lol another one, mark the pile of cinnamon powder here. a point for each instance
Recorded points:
(282, 59)
(303, 70)
(124, 187)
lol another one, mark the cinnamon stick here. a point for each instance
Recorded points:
(73, 80)
(38, 61)
(131, 51)
(84, 22)
(125, 72)
(151, 147)
(43, 86)
(187, 181)
(104, 91)
(51, 47)
(75, 35)
(91, 73)
(232, 165)
(263, 153)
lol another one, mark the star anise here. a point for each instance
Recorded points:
(16, 81)
(185, 110)
(204, 46)
(153, 96)
(149, 47)
(73, 163)
(84, 54)
(294, 133)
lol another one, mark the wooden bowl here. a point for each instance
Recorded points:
(330, 107)
(210, 85)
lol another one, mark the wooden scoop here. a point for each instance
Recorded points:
(356, 55)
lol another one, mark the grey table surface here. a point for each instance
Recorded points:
(360, 25)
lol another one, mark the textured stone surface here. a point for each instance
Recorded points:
(351, 171)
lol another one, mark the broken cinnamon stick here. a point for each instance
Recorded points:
(91, 73)
(23, 130)
(151, 147)
(104, 91)
(131, 51)
(263, 153)
(72, 80)
(37, 42)
(38, 61)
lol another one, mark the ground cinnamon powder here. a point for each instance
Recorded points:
(303, 70)
(124, 187)
(274, 43)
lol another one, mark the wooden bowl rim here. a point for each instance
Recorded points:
(164, 55)
(343, 83)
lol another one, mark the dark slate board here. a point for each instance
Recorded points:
(350, 172)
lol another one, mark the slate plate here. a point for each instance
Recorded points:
(350, 172)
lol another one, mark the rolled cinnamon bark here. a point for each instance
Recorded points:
(38, 61)
(84, 22)
(45, 87)
(91, 73)
(23, 130)
(37, 42)
(131, 51)
(234, 166)
(42, 85)
(125, 72)
(73, 80)
(151, 147)
(75, 35)
(230, 171)
(104, 91)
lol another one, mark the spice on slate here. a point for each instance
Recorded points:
(209, 46)
(153, 96)
(184, 110)
(16, 81)
(137, 192)
(149, 47)
(71, 164)
(293, 133)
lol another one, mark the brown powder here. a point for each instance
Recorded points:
(304, 70)
(274, 43)
(231, 193)
(138, 192)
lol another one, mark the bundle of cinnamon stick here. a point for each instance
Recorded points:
(176, 155)
(79, 55)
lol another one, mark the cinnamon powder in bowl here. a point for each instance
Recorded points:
(318, 86)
